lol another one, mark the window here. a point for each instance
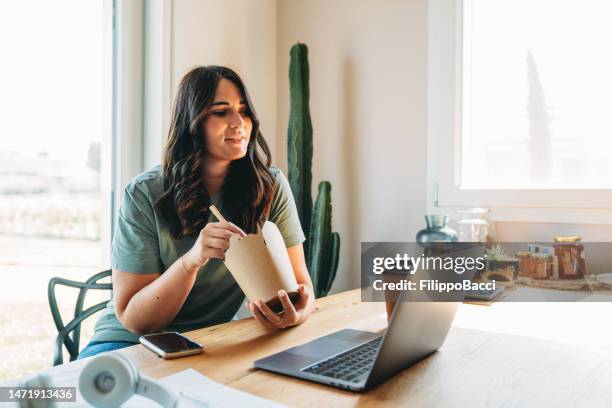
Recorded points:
(518, 95)
(55, 170)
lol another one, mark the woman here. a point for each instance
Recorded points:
(168, 249)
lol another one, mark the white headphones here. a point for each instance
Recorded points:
(110, 379)
(37, 380)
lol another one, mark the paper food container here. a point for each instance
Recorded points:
(260, 265)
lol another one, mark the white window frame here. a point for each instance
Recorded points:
(107, 145)
(583, 206)
(141, 89)
(128, 67)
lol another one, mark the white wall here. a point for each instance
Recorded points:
(368, 106)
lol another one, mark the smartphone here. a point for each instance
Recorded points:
(170, 345)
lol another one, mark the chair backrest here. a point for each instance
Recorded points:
(70, 334)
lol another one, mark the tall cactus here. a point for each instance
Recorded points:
(300, 134)
(322, 248)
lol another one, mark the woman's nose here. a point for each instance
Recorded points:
(236, 120)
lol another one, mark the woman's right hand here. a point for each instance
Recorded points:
(212, 242)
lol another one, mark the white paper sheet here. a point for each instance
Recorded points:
(210, 393)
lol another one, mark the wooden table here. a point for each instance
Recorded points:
(473, 368)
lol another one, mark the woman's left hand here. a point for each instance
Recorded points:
(292, 316)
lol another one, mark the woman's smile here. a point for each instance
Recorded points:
(236, 140)
(239, 142)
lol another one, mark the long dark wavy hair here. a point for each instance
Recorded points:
(249, 186)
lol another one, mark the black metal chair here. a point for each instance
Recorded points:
(70, 334)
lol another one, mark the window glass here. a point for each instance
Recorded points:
(53, 131)
(536, 95)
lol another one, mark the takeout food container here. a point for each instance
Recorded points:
(260, 265)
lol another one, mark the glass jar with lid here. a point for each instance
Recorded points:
(542, 266)
(569, 253)
(474, 225)
(526, 264)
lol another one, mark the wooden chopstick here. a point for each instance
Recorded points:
(216, 213)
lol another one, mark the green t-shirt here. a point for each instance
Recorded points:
(142, 244)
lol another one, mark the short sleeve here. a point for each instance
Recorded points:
(136, 241)
(283, 211)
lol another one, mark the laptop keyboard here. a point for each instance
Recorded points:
(349, 366)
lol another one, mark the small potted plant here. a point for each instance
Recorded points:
(500, 265)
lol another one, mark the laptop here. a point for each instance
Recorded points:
(358, 360)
